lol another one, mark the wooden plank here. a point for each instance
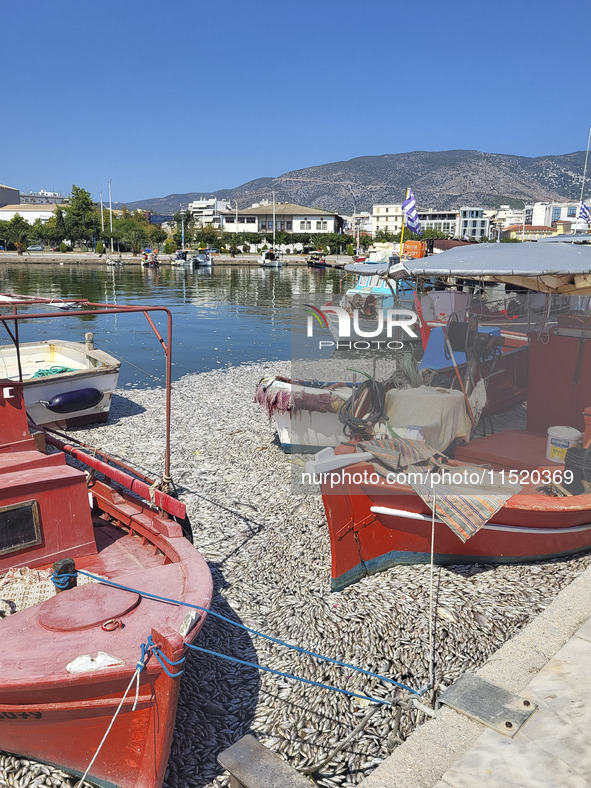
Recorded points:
(251, 765)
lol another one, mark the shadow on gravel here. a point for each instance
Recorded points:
(217, 698)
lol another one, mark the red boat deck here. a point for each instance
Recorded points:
(506, 451)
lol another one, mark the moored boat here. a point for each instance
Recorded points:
(64, 382)
(106, 651)
(270, 259)
(317, 260)
(377, 519)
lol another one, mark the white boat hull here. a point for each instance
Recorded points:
(90, 369)
(303, 423)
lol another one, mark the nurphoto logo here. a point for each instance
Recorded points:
(374, 333)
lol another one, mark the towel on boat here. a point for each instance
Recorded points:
(397, 454)
(465, 497)
(465, 508)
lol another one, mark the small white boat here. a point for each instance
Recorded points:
(202, 260)
(63, 382)
(306, 413)
(270, 259)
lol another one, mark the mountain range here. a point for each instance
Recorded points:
(439, 179)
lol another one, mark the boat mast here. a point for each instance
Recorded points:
(273, 221)
(110, 215)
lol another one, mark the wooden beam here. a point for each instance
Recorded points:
(251, 765)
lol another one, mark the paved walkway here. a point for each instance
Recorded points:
(549, 663)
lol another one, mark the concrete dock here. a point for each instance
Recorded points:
(549, 664)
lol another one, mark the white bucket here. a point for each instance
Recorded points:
(559, 440)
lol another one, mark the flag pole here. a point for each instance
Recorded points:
(585, 169)
(403, 223)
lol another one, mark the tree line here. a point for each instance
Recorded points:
(80, 224)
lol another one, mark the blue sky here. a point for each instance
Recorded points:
(197, 96)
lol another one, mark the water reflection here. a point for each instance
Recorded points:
(224, 315)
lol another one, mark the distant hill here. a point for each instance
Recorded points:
(443, 179)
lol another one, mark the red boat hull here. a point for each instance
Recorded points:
(49, 711)
(375, 526)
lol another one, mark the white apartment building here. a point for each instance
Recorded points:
(42, 197)
(361, 222)
(208, 210)
(472, 223)
(386, 217)
(547, 213)
(453, 223)
(29, 212)
(288, 217)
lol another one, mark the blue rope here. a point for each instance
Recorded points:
(298, 649)
(60, 583)
(289, 675)
(162, 658)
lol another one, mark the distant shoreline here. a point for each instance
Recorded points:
(36, 258)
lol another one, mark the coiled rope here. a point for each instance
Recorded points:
(369, 396)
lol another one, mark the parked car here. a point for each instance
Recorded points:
(35, 248)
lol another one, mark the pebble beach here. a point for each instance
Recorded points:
(269, 553)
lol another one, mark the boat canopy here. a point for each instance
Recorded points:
(368, 269)
(563, 268)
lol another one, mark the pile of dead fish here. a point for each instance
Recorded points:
(269, 553)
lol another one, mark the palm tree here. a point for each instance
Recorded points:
(18, 232)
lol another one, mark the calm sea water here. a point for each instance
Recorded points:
(224, 316)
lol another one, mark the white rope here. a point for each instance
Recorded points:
(136, 678)
(431, 626)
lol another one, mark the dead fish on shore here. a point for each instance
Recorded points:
(245, 507)
(443, 612)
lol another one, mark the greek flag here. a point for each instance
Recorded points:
(409, 207)
(584, 212)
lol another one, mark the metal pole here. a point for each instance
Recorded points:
(273, 221)
(182, 228)
(585, 170)
(102, 215)
(110, 215)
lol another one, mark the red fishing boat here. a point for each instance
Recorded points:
(376, 521)
(89, 681)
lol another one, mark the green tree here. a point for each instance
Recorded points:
(18, 232)
(60, 226)
(82, 219)
(132, 232)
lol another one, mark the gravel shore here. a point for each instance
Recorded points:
(269, 553)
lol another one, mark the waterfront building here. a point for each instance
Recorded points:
(208, 210)
(30, 212)
(550, 213)
(8, 195)
(289, 218)
(389, 217)
(472, 223)
(386, 217)
(528, 232)
(360, 222)
(42, 197)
